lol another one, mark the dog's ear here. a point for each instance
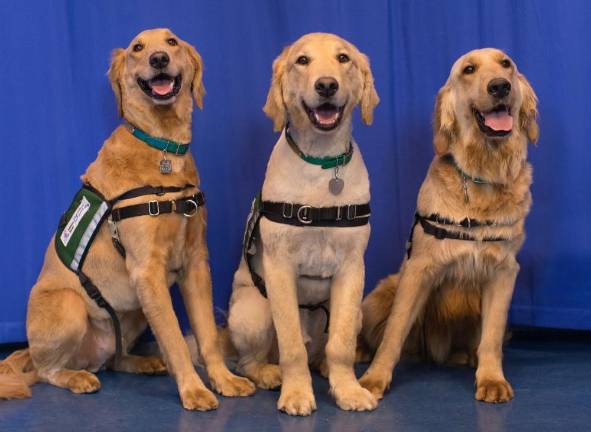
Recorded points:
(369, 95)
(197, 87)
(444, 120)
(528, 114)
(275, 105)
(115, 74)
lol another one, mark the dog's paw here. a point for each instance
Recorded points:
(354, 398)
(268, 376)
(376, 381)
(494, 391)
(297, 401)
(83, 382)
(199, 399)
(230, 385)
(150, 365)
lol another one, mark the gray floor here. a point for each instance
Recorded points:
(551, 376)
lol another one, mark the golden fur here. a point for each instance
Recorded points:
(457, 293)
(69, 335)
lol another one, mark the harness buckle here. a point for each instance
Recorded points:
(113, 228)
(284, 213)
(153, 208)
(194, 211)
(354, 215)
(304, 214)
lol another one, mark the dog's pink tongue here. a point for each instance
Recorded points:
(499, 121)
(162, 87)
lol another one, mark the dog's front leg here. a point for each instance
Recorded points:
(345, 322)
(150, 284)
(416, 280)
(491, 385)
(197, 295)
(297, 397)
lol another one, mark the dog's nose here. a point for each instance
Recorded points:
(499, 87)
(159, 60)
(326, 86)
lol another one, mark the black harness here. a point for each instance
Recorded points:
(300, 215)
(442, 233)
(186, 206)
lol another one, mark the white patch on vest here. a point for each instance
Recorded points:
(82, 209)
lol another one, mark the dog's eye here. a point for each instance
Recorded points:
(303, 60)
(172, 42)
(138, 47)
(506, 63)
(469, 70)
(343, 58)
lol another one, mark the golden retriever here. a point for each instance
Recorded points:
(458, 290)
(317, 82)
(154, 79)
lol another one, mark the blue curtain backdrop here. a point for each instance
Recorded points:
(56, 108)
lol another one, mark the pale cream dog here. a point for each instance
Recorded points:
(155, 79)
(308, 265)
(459, 291)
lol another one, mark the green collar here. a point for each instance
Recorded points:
(476, 180)
(325, 162)
(165, 145)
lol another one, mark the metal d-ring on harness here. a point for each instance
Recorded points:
(89, 209)
(352, 215)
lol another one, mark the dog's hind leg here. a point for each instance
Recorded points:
(252, 332)
(57, 322)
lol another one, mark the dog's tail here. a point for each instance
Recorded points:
(17, 374)
(376, 310)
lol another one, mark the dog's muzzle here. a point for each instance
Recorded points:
(326, 116)
(161, 87)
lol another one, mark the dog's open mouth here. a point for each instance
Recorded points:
(162, 86)
(324, 117)
(497, 122)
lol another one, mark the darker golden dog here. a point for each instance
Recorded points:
(456, 284)
(155, 79)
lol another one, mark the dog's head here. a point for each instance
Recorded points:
(487, 100)
(157, 68)
(318, 81)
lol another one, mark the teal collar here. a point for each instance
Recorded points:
(324, 162)
(465, 176)
(165, 145)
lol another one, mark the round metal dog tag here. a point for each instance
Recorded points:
(336, 185)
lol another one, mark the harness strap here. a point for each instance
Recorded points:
(93, 292)
(441, 233)
(150, 190)
(464, 223)
(186, 206)
(351, 215)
